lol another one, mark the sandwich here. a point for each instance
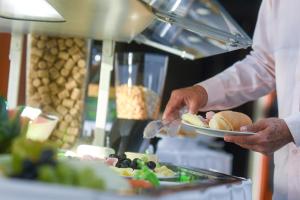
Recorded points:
(229, 120)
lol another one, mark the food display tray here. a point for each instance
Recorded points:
(204, 184)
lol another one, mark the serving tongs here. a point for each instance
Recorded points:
(164, 127)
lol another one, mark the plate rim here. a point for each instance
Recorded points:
(198, 129)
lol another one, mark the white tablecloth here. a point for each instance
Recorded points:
(187, 152)
(16, 190)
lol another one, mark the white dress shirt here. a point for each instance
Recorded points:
(273, 64)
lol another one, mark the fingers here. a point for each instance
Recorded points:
(193, 97)
(256, 127)
(176, 101)
(193, 106)
(249, 139)
(257, 142)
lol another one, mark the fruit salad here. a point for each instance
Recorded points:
(139, 168)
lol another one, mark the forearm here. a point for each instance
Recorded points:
(246, 80)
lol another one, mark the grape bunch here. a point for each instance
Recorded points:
(124, 162)
(29, 168)
(36, 162)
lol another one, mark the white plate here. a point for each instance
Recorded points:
(215, 132)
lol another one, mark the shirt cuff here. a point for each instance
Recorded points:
(293, 123)
(215, 92)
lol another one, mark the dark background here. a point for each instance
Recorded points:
(183, 73)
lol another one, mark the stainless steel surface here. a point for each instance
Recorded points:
(34, 10)
(189, 28)
(193, 29)
(107, 63)
(198, 179)
(119, 20)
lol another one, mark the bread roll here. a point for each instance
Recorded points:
(194, 120)
(229, 120)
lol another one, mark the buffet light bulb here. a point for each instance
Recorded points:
(175, 5)
(32, 10)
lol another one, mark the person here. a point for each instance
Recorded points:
(274, 63)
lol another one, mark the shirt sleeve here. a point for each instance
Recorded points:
(250, 78)
(293, 123)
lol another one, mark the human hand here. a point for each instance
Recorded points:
(193, 97)
(271, 135)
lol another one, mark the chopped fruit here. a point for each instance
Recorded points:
(111, 161)
(145, 157)
(140, 184)
(128, 172)
(164, 171)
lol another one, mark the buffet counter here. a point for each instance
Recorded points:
(29, 190)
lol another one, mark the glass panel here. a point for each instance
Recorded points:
(140, 79)
(196, 28)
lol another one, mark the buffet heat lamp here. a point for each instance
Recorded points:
(32, 10)
(188, 28)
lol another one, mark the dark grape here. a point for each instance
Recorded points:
(122, 156)
(127, 162)
(31, 175)
(151, 165)
(47, 156)
(136, 160)
(134, 165)
(118, 165)
(123, 165)
(29, 170)
(27, 165)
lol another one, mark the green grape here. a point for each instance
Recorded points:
(66, 175)
(97, 183)
(47, 174)
(87, 178)
(27, 149)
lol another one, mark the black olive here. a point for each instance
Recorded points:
(151, 165)
(124, 165)
(134, 165)
(127, 162)
(122, 156)
(28, 165)
(118, 165)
